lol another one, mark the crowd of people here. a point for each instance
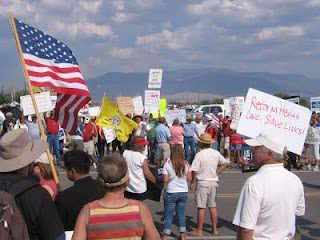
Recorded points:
(191, 154)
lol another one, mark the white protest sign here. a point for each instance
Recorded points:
(43, 101)
(236, 106)
(151, 101)
(84, 111)
(313, 135)
(295, 100)
(227, 109)
(263, 112)
(94, 111)
(170, 115)
(155, 78)
(138, 105)
(53, 101)
(109, 134)
(315, 104)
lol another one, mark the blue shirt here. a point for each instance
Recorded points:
(34, 130)
(79, 130)
(162, 133)
(188, 130)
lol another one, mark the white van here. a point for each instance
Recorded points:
(210, 108)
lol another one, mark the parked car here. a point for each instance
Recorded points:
(210, 108)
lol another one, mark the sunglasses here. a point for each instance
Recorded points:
(35, 165)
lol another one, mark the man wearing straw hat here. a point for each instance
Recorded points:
(271, 199)
(17, 155)
(206, 166)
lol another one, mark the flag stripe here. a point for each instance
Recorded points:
(63, 68)
(70, 77)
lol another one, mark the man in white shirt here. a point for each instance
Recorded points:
(271, 199)
(206, 166)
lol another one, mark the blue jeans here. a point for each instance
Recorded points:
(189, 142)
(215, 145)
(174, 202)
(53, 141)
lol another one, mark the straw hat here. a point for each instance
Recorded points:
(18, 150)
(205, 138)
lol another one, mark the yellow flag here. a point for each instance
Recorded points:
(38, 89)
(111, 117)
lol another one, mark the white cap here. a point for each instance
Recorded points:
(43, 158)
(268, 140)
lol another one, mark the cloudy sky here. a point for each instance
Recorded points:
(278, 36)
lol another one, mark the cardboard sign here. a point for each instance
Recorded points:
(236, 106)
(170, 115)
(285, 120)
(155, 78)
(43, 101)
(125, 104)
(109, 134)
(313, 135)
(151, 101)
(315, 104)
(138, 105)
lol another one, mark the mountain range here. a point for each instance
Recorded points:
(198, 84)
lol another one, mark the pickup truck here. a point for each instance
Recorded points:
(208, 109)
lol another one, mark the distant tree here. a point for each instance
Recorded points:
(217, 101)
(281, 95)
(205, 102)
(305, 102)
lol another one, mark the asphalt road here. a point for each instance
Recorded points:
(231, 182)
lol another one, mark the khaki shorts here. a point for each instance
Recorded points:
(206, 194)
(164, 151)
(226, 143)
(89, 147)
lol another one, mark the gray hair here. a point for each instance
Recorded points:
(276, 156)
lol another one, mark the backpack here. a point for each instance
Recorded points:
(12, 224)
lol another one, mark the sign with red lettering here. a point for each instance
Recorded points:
(151, 101)
(313, 135)
(264, 112)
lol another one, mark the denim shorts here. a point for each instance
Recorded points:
(235, 146)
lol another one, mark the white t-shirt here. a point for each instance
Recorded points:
(206, 163)
(138, 183)
(175, 183)
(201, 127)
(269, 202)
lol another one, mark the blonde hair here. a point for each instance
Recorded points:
(46, 171)
(177, 159)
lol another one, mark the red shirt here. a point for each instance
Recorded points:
(88, 130)
(212, 131)
(52, 126)
(226, 128)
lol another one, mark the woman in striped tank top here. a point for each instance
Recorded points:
(114, 216)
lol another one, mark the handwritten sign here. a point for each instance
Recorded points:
(264, 112)
(125, 104)
(315, 104)
(109, 134)
(313, 135)
(170, 115)
(151, 100)
(43, 101)
(138, 105)
(227, 109)
(155, 78)
(236, 106)
(84, 111)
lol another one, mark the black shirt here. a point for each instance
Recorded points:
(70, 201)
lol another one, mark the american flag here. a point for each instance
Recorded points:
(216, 119)
(50, 63)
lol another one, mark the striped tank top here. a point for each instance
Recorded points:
(115, 223)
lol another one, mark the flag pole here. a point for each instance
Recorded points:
(43, 135)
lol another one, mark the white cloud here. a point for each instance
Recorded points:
(313, 3)
(147, 4)
(122, 17)
(280, 32)
(122, 52)
(91, 6)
